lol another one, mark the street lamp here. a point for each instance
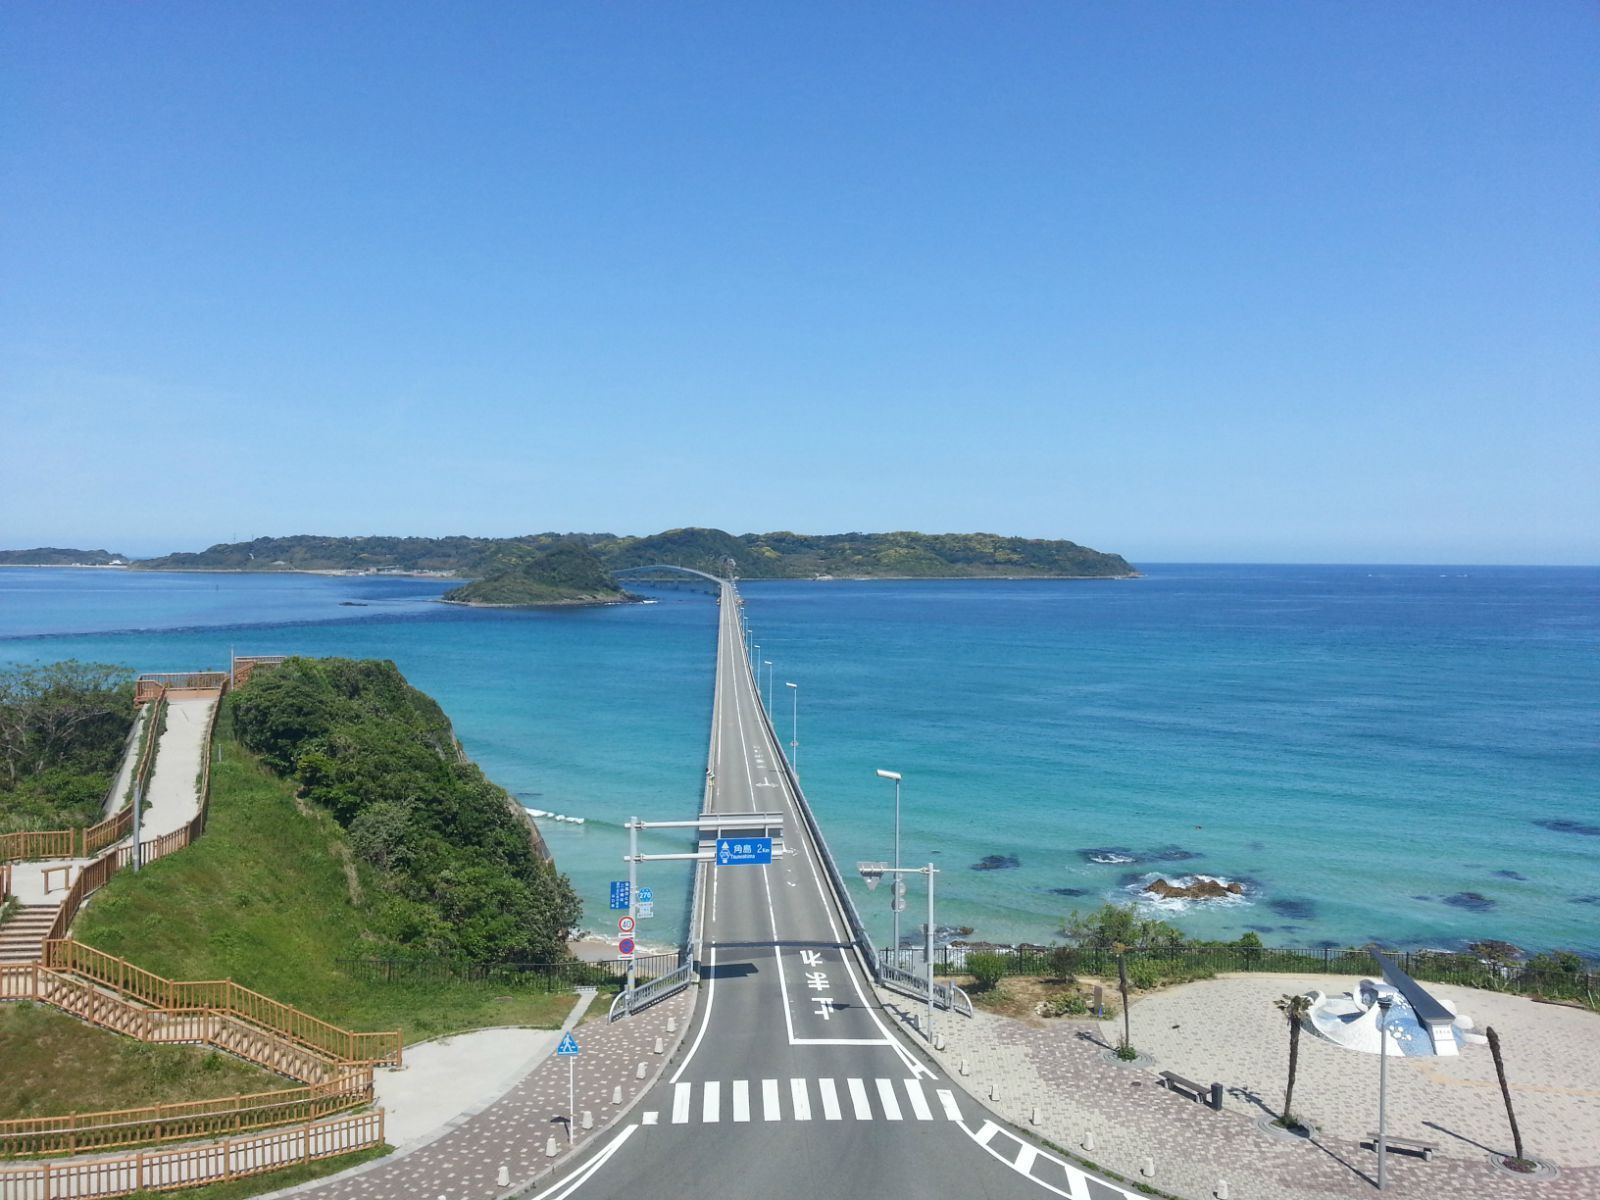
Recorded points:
(1384, 1004)
(755, 662)
(872, 873)
(897, 901)
(767, 662)
(794, 735)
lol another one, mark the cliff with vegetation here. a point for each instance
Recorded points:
(780, 555)
(518, 576)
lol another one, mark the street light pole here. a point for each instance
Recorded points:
(1384, 1002)
(895, 903)
(768, 664)
(872, 873)
(929, 950)
(794, 734)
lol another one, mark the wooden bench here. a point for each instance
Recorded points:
(1210, 1096)
(1423, 1150)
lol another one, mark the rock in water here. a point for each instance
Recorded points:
(997, 862)
(1203, 888)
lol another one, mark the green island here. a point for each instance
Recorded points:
(778, 555)
(57, 556)
(568, 573)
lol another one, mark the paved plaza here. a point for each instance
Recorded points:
(1228, 1030)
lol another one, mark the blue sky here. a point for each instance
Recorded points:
(1244, 281)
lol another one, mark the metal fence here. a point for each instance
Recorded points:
(1151, 965)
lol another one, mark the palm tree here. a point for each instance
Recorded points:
(1294, 1008)
(1505, 1089)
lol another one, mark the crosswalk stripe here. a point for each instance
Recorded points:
(948, 1099)
(858, 1098)
(919, 1102)
(741, 1099)
(680, 1102)
(769, 1101)
(886, 1097)
(711, 1109)
(830, 1100)
(801, 1099)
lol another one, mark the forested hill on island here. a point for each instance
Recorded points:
(755, 555)
(57, 556)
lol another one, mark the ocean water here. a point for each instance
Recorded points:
(1409, 755)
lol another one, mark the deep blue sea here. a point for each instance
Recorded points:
(1402, 754)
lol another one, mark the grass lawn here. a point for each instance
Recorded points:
(56, 1065)
(271, 897)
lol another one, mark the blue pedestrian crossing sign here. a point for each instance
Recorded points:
(646, 895)
(619, 893)
(568, 1047)
(738, 852)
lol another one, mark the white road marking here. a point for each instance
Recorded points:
(650, 1117)
(985, 1133)
(711, 1108)
(801, 1099)
(858, 1098)
(919, 1102)
(1077, 1181)
(593, 1165)
(1025, 1157)
(887, 1098)
(705, 1018)
(680, 1103)
(948, 1099)
(741, 1099)
(770, 1111)
(830, 1100)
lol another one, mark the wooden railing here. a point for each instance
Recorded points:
(52, 843)
(5, 882)
(222, 996)
(182, 1122)
(152, 684)
(190, 1166)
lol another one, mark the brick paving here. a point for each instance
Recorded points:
(1062, 1071)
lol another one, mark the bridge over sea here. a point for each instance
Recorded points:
(794, 1079)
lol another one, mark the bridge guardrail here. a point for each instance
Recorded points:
(867, 953)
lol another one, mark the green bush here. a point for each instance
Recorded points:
(986, 969)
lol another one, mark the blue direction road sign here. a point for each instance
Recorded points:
(619, 893)
(738, 852)
(645, 895)
(568, 1047)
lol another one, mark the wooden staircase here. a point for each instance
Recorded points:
(22, 936)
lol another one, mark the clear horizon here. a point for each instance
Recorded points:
(1274, 283)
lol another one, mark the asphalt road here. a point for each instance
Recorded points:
(794, 1083)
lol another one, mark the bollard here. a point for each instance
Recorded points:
(661, 1047)
(1147, 1168)
(1033, 1117)
(963, 1069)
(640, 1073)
(1088, 1140)
(588, 1119)
(504, 1178)
(938, 1041)
(994, 1091)
(616, 1094)
(1222, 1190)
(672, 1024)
(1216, 1096)
(549, 1149)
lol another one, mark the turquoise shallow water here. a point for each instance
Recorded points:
(1368, 750)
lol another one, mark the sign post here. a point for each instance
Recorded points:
(633, 892)
(568, 1049)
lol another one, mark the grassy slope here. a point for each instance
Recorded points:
(60, 1065)
(268, 897)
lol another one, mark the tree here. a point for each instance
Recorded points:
(1505, 1091)
(1294, 1008)
(986, 968)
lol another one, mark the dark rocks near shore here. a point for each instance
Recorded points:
(1471, 901)
(1562, 825)
(1518, 876)
(1586, 900)
(1064, 891)
(1203, 888)
(1294, 908)
(997, 862)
